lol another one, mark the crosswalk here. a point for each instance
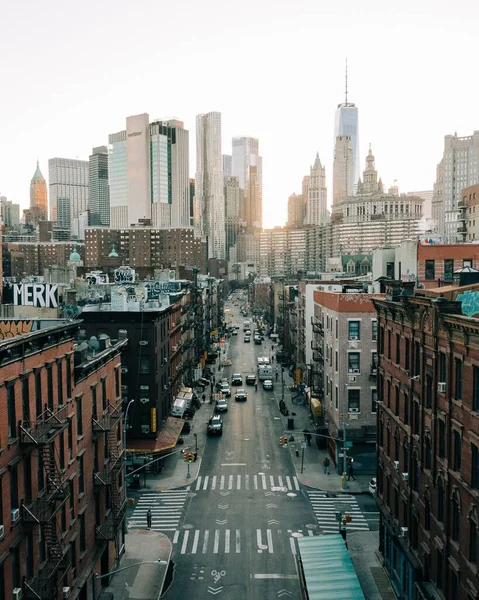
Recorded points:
(236, 541)
(166, 509)
(273, 483)
(326, 507)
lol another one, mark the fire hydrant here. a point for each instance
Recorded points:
(342, 479)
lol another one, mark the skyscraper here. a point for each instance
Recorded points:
(296, 210)
(458, 169)
(209, 198)
(247, 166)
(232, 215)
(68, 181)
(227, 165)
(149, 173)
(99, 189)
(316, 201)
(346, 124)
(342, 169)
(38, 196)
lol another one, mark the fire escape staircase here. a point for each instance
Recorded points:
(44, 510)
(109, 475)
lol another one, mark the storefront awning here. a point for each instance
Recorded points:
(167, 438)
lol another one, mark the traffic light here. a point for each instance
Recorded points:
(188, 456)
(283, 440)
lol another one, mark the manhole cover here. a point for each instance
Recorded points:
(263, 546)
(291, 494)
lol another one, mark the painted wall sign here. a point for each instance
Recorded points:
(40, 295)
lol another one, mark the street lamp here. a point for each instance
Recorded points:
(138, 564)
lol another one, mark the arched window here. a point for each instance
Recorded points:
(427, 511)
(427, 452)
(473, 536)
(455, 516)
(415, 472)
(441, 501)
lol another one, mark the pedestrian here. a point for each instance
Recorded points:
(351, 472)
(203, 397)
(326, 465)
(148, 518)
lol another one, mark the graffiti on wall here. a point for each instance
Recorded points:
(12, 328)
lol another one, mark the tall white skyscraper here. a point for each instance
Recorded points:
(342, 169)
(459, 168)
(316, 202)
(149, 173)
(209, 190)
(68, 183)
(346, 123)
(247, 166)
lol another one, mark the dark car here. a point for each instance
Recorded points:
(221, 405)
(236, 379)
(250, 379)
(241, 395)
(215, 426)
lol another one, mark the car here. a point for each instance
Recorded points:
(241, 394)
(215, 426)
(373, 486)
(234, 332)
(236, 379)
(237, 326)
(221, 405)
(225, 389)
(250, 379)
(203, 382)
(267, 384)
(247, 339)
(257, 341)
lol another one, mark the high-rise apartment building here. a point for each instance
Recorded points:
(38, 196)
(343, 171)
(227, 165)
(296, 210)
(9, 213)
(247, 165)
(209, 198)
(68, 181)
(346, 124)
(149, 173)
(232, 193)
(316, 201)
(99, 188)
(459, 168)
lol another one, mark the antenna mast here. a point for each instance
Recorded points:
(346, 89)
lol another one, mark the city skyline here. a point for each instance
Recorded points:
(397, 115)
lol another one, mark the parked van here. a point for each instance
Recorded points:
(265, 372)
(179, 407)
(246, 325)
(188, 396)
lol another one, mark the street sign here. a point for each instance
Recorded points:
(349, 444)
(341, 455)
(303, 444)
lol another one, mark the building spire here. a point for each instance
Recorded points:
(346, 87)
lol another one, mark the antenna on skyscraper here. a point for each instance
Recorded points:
(346, 88)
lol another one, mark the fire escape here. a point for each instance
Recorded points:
(108, 477)
(44, 511)
(317, 345)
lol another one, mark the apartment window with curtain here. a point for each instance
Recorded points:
(457, 450)
(354, 330)
(353, 362)
(11, 412)
(354, 400)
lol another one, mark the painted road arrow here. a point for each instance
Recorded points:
(224, 493)
(269, 493)
(271, 522)
(215, 591)
(223, 506)
(222, 522)
(282, 593)
(271, 505)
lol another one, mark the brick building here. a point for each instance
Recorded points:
(61, 453)
(428, 441)
(436, 263)
(32, 258)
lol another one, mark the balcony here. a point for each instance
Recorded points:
(47, 426)
(108, 530)
(462, 227)
(109, 420)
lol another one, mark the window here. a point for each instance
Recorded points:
(94, 402)
(12, 413)
(440, 501)
(374, 330)
(353, 400)
(144, 365)
(354, 330)
(474, 466)
(389, 343)
(381, 340)
(428, 391)
(49, 386)
(117, 382)
(427, 514)
(455, 521)
(353, 362)
(374, 400)
(473, 542)
(430, 269)
(79, 416)
(442, 367)
(407, 354)
(415, 474)
(398, 348)
(69, 376)
(397, 403)
(448, 269)
(336, 361)
(427, 453)
(60, 382)
(439, 570)
(441, 442)
(475, 388)
(417, 359)
(82, 533)
(415, 416)
(25, 399)
(406, 409)
(457, 449)
(337, 329)
(467, 262)
(104, 396)
(458, 378)
(38, 393)
(337, 397)
(81, 475)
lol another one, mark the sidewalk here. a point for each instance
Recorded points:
(313, 472)
(144, 582)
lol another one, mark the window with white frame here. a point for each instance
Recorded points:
(354, 400)
(354, 330)
(354, 362)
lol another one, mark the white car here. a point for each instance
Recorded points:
(373, 486)
(225, 389)
(267, 384)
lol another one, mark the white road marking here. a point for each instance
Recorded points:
(255, 481)
(263, 480)
(175, 537)
(222, 482)
(227, 541)
(185, 542)
(198, 482)
(310, 532)
(293, 545)
(238, 482)
(258, 540)
(296, 484)
(247, 482)
(205, 541)
(213, 483)
(238, 542)
(288, 482)
(271, 480)
(273, 576)
(270, 541)
(230, 482)
(195, 541)
(216, 543)
(205, 485)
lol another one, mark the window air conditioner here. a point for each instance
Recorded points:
(66, 592)
(17, 594)
(2, 531)
(175, 348)
(354, 409)
(356, 371)
(15, 514)
(353, 337)
(405, 477)
(404, 532)
(353, 344)
(396, 465)
(441, 387)
(165, 360)
(352, 379)
(124, 370)
(144, 343)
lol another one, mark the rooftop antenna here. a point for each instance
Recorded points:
(346, 88)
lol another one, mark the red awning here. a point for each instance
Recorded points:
(167, 438)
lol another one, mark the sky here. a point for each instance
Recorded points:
(71, 73)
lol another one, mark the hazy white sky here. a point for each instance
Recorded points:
(72, 72)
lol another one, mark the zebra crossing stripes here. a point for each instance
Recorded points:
(326, 507)
(166, 510)
(246, 482)
(233, 541)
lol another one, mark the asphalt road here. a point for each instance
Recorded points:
(246, 510)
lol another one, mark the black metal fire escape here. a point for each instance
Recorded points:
(44, 511)
(109, 475)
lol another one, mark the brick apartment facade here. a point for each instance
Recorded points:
(32, 258)
(428, 444)
(344, 344)
(436, 263)
(61, 452)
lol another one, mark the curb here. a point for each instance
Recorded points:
(165, 537)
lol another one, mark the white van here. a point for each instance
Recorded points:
(179, 407)
(265, 372)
